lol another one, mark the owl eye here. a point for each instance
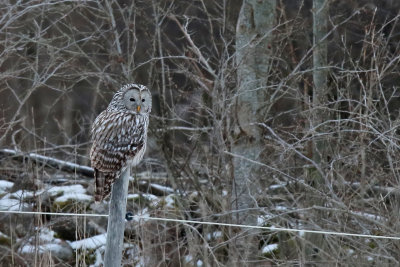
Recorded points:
(143, 100)
(132, 99)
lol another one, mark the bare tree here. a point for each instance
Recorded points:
(317, 173)
(254, 32)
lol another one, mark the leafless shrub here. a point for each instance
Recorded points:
(61, 61)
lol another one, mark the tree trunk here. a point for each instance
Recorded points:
(315, 242)
(253, 36)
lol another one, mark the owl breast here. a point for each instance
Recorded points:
(119, 138)
(137, 138)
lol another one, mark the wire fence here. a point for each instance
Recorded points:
(130, 217)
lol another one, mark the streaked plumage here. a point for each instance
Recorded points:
(119, 136)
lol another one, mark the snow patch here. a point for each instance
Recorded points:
(262, 220)
(51, 245)
(70, 192)
(188, 258)
(20, 194)
(369, 215)
(89, 243)
(150, 197)
(12, 204)
(46, 235)
(277, 186)
(301, 233)
(99, 259)
(73, 196)
(3, 235)
(162, 188)
(132, 196)
(269, 248)
(154, 200)
(214, 235)
(141, 215)
(66, 189)
(281, 208)
(170, 201)
(5, 186)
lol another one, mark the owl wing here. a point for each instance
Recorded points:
(117, 137)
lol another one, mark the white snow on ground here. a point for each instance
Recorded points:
(276, 186)
(12, 204)
(3, 235)
(72, 192)
(74, 196)
(369, 215)
(269, 248)
(66, 189)
(52, 247)
(301, 233)
(46, 235)
(162, 188)
(20, 194)
(170, 201)
(49, 244)
(214, 235)
(12, 201)
(99, 259)
(141, 215)
(89, 243)
(281, 208)
(263, 219)
(5, 186)
(154, 200)
(132, 196)
(149, 197)
(188, 258)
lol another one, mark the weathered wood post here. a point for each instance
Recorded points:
(116, 221)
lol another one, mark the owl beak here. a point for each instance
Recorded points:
(138, 108)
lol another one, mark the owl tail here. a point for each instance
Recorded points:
(103, 183)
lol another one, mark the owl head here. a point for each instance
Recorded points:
(132, 97)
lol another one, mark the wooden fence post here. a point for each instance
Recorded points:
(116, 221)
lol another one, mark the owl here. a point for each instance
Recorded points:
(119, 136)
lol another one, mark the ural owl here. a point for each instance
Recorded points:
(119, 136)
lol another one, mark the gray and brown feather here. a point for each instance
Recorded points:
(119, 136)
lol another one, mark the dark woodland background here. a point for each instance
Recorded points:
(238, 140)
